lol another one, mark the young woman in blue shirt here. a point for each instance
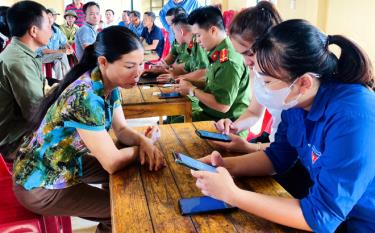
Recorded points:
(328, 123)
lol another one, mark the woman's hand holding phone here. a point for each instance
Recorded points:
(237, 144)
(215, 159)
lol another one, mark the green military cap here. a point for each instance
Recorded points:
(52, 11)
(70, 13)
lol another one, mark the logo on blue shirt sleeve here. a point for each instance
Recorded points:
(315, 154)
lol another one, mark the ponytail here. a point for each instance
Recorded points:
(353, 65)
(253, 22)
(87, 63)
(295, 47)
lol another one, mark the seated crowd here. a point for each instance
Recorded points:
(322, 106)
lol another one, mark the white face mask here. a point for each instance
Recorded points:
(272, 99)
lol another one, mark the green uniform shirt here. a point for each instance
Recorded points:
(227, 78)
(197, 57)
(179, 52)
(21, 89)
(69, 32)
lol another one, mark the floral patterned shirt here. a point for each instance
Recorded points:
(52, 157)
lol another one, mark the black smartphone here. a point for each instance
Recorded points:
(148, 78)
(205, 204)
(169, 95)
(192, 163)
(213, 136)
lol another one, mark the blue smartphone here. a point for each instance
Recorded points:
(205, 204)
(213, 136)
(192, 163)
(169, 95)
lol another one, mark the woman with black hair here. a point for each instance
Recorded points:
(69, 146)
(246, 27)
(328, 123)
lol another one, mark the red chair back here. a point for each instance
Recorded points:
(167, 44)
(47, 70)
(11, 210)
(14, 218)
(228, 17)
(266, 126)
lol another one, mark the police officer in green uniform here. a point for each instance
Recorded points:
(197, 56)
(196, 62)
(194, 68)
(178, 53)
(226, 91)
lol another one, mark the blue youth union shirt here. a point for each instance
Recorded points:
(335, 142)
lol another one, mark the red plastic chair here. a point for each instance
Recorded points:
(266, 126)
(228, 16)
(167, 44)
(167, 47)
(14, 218)
(47, 70)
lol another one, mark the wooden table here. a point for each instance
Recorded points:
(143, 201)
(139, 102)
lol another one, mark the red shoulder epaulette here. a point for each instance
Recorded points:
(215, 56)
(191, 44)
(223, 55)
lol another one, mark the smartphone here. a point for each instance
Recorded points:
(169, 95)
(213, 136)
(192, 163)
(205, 204)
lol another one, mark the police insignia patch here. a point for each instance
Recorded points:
(215, 56)
(223, 55)
(191, 44)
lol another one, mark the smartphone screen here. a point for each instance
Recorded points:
(192, 163)
(213, 136)
(170, 95)
(196, 205)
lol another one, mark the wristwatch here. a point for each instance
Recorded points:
(192, 91)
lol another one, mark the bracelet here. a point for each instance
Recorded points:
(259, 147)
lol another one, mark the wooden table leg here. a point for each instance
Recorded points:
(188, 112)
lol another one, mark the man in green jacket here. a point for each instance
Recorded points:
(226, 92)
(21, 78)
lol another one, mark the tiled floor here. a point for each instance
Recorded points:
(84, 226)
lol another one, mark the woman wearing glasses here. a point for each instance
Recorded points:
(246, 27)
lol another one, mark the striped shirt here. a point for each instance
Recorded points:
(79, 12)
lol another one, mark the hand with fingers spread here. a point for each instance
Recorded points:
(237, 144)
(149, 153)
(226, 126)
(219, 185)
